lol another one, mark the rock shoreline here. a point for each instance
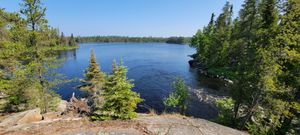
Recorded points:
(201, 69)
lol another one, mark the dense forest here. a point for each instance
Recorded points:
(260, 51)
(171, 40)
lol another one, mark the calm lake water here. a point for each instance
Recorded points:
(152, 66)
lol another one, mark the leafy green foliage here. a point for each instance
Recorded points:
(225, 115)
(179, 97)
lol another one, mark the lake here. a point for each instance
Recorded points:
(153, 67)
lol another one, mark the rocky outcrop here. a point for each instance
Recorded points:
(62, 106)
(143, 125)
(51, 115)
(26, 117)
(31, 116)
(196, 64)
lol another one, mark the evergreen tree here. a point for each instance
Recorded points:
(289, 58)
(35, 17)
(94, 83)
(218, 48)
(63, 40)
(26, 55)
(243, 34)
(120, 100)
(264, 55)
(202, 40)
(40, 59)
(95, 78)
(72, 41)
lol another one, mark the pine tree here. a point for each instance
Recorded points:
(94, 83)
(63, 40)
(120, 100)
(72, 41)
(218, 48)
(289, 58)
(40, 59)
(25, 58)
(243, 34)
(243, 48)
(202, 39)
(95, 78)
(264, 55)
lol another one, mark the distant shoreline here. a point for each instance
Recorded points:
(133, 42)
(124, 39)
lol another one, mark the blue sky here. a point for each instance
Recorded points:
(129, 17)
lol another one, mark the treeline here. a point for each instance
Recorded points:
(27, 52)
(107, 39)
(260, 51)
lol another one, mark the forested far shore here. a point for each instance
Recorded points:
(108, 39)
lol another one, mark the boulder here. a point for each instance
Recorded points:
(193, 63)
(22, 118)
(51, 115)
(31, 116)
(62, 106)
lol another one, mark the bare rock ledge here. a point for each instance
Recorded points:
(143, 125)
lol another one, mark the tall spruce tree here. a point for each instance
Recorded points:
(120, 100)
(220, 39)
(94, 83)
(95, 78)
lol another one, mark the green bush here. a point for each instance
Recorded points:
(225, 114)
(179, 97)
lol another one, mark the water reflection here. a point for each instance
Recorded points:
(67, 54)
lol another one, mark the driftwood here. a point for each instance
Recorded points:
(78, 106)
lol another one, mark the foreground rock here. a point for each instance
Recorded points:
(144, 124)
(62, 106)
(26, 117)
